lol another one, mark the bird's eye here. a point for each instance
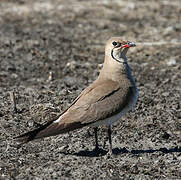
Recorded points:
(114, 43)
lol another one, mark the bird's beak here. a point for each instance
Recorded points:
(128, 45)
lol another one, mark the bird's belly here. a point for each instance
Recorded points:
(116, 117)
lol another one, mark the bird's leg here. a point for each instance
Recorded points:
(88, 132)
(96, 139)
(109, 138)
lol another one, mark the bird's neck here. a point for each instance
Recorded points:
(114, 70)
(119, 56)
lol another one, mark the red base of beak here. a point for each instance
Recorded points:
(126, 45)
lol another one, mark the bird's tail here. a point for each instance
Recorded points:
(31, 135)
(51, 128)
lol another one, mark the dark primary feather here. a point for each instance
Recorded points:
(49, 129)
(26, 137)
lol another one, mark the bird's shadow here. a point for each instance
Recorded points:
(164, 150)
(117, 151)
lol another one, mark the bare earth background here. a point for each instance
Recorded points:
(50, 51)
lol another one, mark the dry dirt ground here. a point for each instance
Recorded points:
(50, 51)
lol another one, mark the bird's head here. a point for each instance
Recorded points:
(116, 48)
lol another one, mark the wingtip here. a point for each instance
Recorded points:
(31, 135)
(51, 128)
(23, 139)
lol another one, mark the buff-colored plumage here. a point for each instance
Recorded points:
(103, 102)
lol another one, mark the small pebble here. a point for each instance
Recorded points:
(171, 62)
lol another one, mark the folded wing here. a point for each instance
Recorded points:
(97, 102)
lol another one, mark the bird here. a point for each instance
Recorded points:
(105, 101)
